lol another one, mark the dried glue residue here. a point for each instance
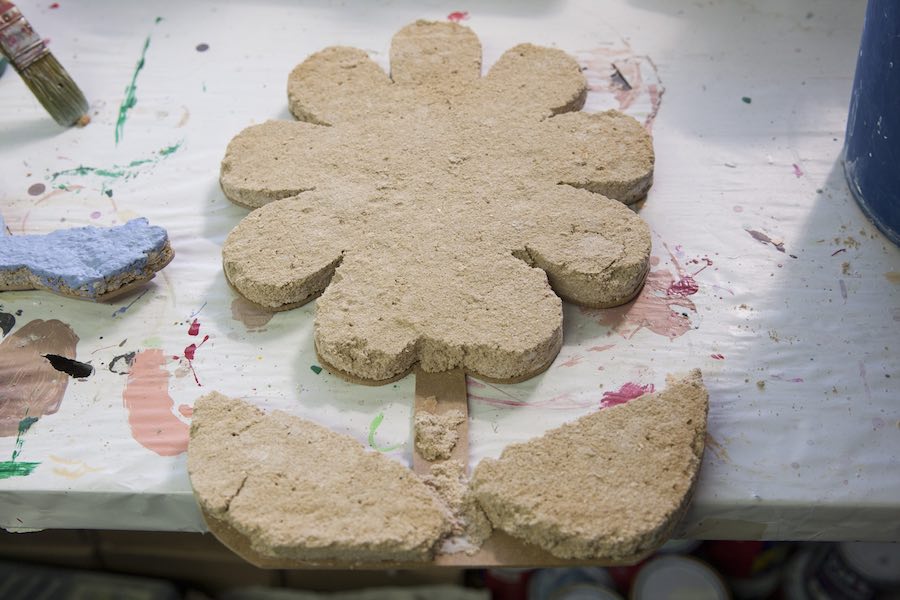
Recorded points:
(29, 385)
(150, 407)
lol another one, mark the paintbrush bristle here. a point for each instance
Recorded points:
(55, 90)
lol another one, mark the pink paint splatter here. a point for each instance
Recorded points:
(146, 397)
(96, 214)
(797, 171)
(661, 305)
(717, 356)
(601, 348)
(186, 411)
(194, 329)
(457, 16)
(628, 391)
(54, 6)
(572, 361)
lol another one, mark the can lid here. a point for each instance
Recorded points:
(586, 591)
(675, 577)
(879, 562)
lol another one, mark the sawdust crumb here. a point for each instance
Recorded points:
(761, 384)
(436, 435)
(845, 268)
(449, 482)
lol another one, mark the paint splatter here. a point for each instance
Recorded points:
(72, 469)
(893, 277)
(628, 391)
(572, 361)
(202, 47)
(194, 329)
(654, 309)
(186, 411)
(632, 80)
(96, 214)
(7, 322)
(746, 99)
(838, 251)
(54, 6)
(780, 377)
(315, 369)
(153, 422)
(70, 366)
(253, 316)
(11, 468)
(123, 309)
(130, 99)
(29, 385)
(36, 189)
(457, 16)
(127, 171)
(373, 428)
(764, 239)
(121, 364)
(190, 352)
(798, 172)
(717, 356)
(686, 286)
(601, 348)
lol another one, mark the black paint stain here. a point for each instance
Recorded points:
(127, 358)
(202, 47)
(7, 322)
(69, 366)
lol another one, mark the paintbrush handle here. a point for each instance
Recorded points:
(18, 40)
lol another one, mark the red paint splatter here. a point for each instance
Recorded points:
(628, 391)
(457, 16)
(54, 6)
(601, 348)
(194, 329)
(686, 286)
(797, 171)
(717, 356)
(189, 353)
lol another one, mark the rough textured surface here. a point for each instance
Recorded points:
(85, 262)
(436, 435)
(449, 481)
(442, 215)
(297, 490)
(609, 485)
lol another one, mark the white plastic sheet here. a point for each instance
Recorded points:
(794, 319)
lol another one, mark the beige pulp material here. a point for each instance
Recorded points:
(450, 483)
(298, 491)
(612, 484)
(436, 435)
(440, 214)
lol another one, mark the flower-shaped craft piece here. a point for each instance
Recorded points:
(440, 214)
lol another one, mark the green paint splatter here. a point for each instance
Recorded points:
(11, 468)
(316, 369)
(171, 149)
(130, 98)
(128, 171)
(373, 427)
(746, 99)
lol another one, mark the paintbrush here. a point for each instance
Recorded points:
(41, 72)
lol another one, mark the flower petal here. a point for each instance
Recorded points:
(607, 153)
(270, 264)
(595, 251)
(442, 55)
(450, 306)
(274, 160)
(338, 84)
(537, 80)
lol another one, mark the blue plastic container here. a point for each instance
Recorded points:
(872, 144)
